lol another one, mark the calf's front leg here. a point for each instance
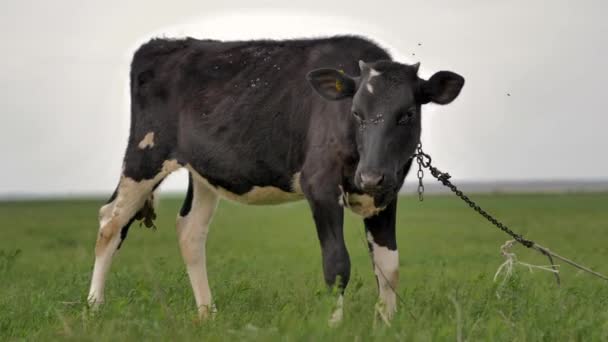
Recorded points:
(329, 219)
(382, 244)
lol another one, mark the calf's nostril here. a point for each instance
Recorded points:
(369, 180)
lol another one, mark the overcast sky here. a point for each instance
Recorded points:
(64, 88)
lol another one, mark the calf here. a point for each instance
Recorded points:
(264, 122)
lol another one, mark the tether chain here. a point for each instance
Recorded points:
(424, 160)
(420, 174)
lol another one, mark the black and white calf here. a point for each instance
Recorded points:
(246, 119)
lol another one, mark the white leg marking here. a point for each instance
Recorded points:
(192, 235)
(147, 141)
(113, 216)
(104, 258)
(386, 268)
(338, 314)
(105, 213)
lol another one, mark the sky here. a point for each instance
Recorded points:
(532, 108)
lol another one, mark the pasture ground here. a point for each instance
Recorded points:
(265, 273)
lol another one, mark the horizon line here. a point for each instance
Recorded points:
(431, 187)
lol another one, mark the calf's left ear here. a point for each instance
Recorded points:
(332, 84)
(442, 88)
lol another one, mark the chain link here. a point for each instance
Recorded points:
(424, 161)
(420, 174)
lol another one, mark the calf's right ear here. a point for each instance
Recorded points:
(332, 84)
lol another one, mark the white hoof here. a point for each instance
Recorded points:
(206, 312)
(95, 303)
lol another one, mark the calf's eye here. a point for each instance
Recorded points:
(406, 116)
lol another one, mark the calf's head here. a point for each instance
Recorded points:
(386, 101)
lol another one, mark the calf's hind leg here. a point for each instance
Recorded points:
(114, 219)
(192, 228)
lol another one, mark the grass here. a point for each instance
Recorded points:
(265, 274)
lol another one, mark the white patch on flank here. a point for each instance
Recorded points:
(338, 314)
(362, 204)
(386, 268)
(258, 194)
(369, 87)
(192, 231)
(147, 141)
(130, 197)
(374, 73)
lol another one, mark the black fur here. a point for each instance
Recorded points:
(382, 227)
(187, 205)
(231, 100)
(124, 231)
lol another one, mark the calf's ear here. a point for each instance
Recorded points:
(332, 84)
(442, 88)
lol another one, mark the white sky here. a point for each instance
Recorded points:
(64, 64)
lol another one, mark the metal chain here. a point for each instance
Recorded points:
(424, 161)
(420, 174)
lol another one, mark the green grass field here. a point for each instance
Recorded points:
(265, 273)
